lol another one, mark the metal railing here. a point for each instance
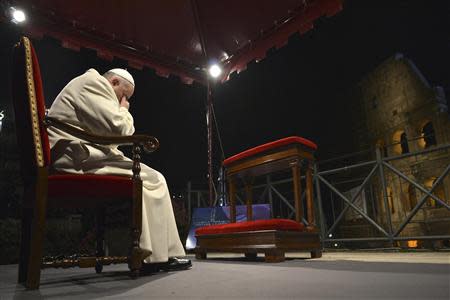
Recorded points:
(383, 224)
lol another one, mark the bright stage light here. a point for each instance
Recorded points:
(18, 15)
(215, 71)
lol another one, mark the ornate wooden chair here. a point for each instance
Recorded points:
(276, 236)
(44, 190)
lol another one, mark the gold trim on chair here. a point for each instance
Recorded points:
(33, 104)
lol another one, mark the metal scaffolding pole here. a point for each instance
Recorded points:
(210, 132)
(385, 195)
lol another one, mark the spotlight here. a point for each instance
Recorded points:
(17, 15)
(330, 235)
(215, 71)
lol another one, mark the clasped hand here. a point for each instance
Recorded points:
(124, 103)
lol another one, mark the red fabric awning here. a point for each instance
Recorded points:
(179, 37)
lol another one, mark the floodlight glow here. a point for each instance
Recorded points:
(330, 235)
(18, 15)
(215, 71)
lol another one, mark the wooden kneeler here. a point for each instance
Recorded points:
(272, 237)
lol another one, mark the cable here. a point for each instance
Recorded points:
(217, 130)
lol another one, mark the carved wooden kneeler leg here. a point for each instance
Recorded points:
(232, 195)
(274, 256)
(200, 255)
(296, 178)
(316, 254)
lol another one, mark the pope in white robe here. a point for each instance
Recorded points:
(99, 104)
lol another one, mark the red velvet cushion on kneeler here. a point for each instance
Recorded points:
(269, 146)
(272, 224)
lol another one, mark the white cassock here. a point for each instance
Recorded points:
(89, 102)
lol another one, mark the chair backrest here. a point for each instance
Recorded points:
(29, 108)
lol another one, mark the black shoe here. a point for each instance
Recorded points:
(175, 264)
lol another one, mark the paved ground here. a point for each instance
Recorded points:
(340, 275)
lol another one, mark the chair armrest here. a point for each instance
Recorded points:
(149, 143)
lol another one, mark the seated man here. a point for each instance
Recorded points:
(100, 104)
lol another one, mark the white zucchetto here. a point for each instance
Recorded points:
(124, 74)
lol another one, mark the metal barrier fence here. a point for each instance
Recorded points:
(385, 173)
(379, 200)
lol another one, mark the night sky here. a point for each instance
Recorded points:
(299, 89)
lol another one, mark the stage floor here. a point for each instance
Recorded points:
(337, 275)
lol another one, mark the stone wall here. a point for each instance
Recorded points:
(393, 107)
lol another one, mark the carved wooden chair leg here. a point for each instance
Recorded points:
(136, 253)
(316, 254)
(251, 255)
(25, 244)
(100, 238)
(135, 260)
(273, 256)
(37, 233)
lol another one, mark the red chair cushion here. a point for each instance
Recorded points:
(269, 146)
(272, 224)
(89, 186)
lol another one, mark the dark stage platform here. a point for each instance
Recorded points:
(337, 275)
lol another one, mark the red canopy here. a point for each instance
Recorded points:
(178, 37)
